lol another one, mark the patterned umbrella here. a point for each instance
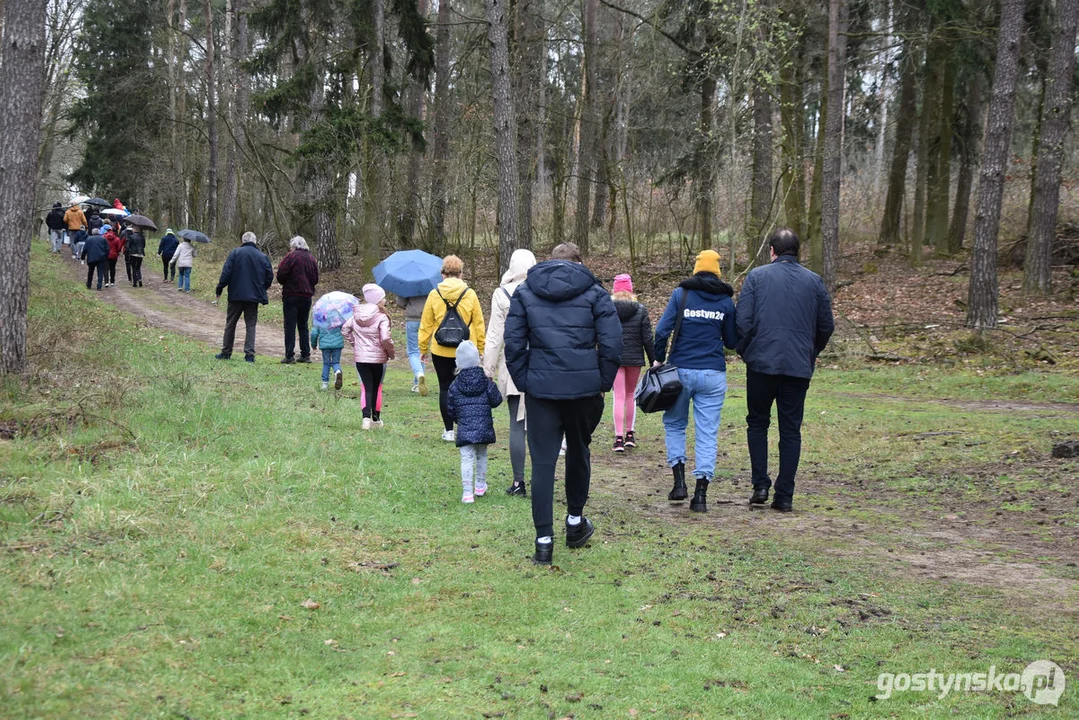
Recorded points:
(333, 309)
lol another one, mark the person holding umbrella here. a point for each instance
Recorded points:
(182, 260)
(452, 293)
(298, 275)
(411, 274)
(413, 307)
(248, 274)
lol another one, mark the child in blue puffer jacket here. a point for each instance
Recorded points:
(469, 402)
(331, 342)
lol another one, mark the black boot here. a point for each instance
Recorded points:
(759, 497)
(699, 503)
(679, 491)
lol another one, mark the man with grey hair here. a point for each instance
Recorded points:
(298, 275)
(247, 274)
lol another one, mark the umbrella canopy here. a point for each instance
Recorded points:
(194, 236)
(333, 309)
(409, 273)
(141, 221)
(79, 199)
(98, 201)
(113, 212)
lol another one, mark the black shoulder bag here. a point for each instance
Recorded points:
(660, 386)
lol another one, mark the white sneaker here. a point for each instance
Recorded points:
(367, 423)
(325, 386)
(415, 387)
(468, 498)
(337, 380)
(481, 488)
(376, 424)
(449, 436)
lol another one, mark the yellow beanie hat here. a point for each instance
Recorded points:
(707, 261)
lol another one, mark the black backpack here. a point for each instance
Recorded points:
(452, 331)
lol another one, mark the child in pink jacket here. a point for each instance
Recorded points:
(368, 331)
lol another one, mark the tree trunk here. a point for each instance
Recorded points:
(406, 225)
(587, 141)
(761, 201)
(972, 127)
(938, 230)
(791, 114)
(22, 88)
(527, 83)
(374, 171)
(897, 175)
(706, 176)
(440, 131)
(983, 291)
(812, 240)
(505, 130)
(229, 69)
(1056, 108)
(211, 123)
(921, 178)
(603, 175)
(833, 142)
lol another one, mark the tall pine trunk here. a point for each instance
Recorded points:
(505, 130)
(1037, 277)
(706, 175)
(527, 84)
(406, 222)
(904, 123)
(921, 176)
(983, 292)
(968, 157)
(938, 230)
(22, 89)
(833, 142)
(211, 122)
(761, 200)
(587, 139)
(791, 115)
(440, 131)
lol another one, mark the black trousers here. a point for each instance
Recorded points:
(136, 270)
(102, 269)
(250, 311)
(296, 310)
(112, 271)
(547, 421)
(445, 367)
(165, 260)
(789, 395)
(127, 266)
(371, 375)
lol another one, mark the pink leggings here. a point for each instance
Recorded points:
(625, 382)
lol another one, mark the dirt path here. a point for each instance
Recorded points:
(163, 306)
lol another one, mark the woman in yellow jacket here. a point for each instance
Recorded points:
(451, 290)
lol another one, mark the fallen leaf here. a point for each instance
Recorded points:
(310, 604)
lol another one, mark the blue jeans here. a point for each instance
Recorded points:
(707, 389)
(412, 344)
(183, 281)
(56, 240)
(331, 360)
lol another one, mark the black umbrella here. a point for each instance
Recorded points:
(97, 201)
(141, 221)
(194, 236)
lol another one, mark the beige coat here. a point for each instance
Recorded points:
(494, 359)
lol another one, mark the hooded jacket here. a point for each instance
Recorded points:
(434, 310)
(115, 244)
(167, 246)
(55, 219)
(327, 339)
(784, 318)
(494, 361)
(247, 273)
(184, 255)
(368, 331)
(563, 339)
(707, 324)
(636, 333)
(469, 401)
(75, 218)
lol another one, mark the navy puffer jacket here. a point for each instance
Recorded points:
(248, 274)
(96, 249)
(562, 340)
(471, 397)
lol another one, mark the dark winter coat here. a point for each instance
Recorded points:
(562, 338)
(96, 249)
(636, 333)
(247, 274)
(707, 324)
(94, 221)
(136, 244)
(469, 401)
(167, 245)
(298, 274)
(55, 219)
(784, 318)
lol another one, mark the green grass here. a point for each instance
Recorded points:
(164, 517)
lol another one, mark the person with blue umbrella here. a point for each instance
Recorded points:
(411, 275)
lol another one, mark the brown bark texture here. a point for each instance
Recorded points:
(897, 173)
(505, 130)
(761, 200)
(833, 142)
(440, 133)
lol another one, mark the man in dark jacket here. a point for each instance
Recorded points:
(298, 275)
(95, 252)
(55, 222)
(784, 322)
(134, 251)
(247, 274)
(563, 343)
(166, 248)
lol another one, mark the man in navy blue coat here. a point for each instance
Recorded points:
(563, 345)
(247, 274)
(784, 318)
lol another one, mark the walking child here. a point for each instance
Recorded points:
(332, 342)
(636, 344)
(368, 331)
(471, 397)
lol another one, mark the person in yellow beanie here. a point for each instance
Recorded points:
(700, 316)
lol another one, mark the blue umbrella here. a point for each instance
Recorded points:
(409, 273)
